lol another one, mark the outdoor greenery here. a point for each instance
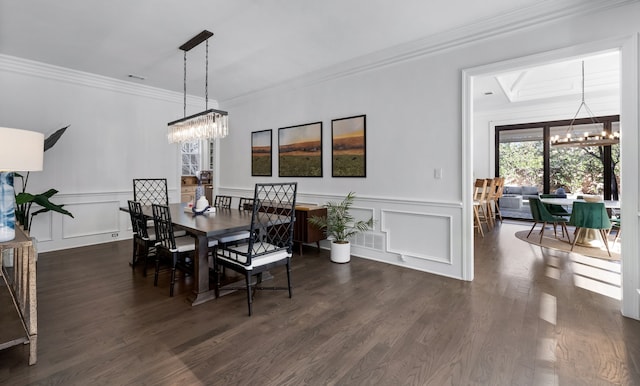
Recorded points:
(578, 170)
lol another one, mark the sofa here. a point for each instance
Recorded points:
(512, 196)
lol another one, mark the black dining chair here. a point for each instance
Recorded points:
(149, 191)
(245, 203)
(177, 251)
(144, 237)
(271, 241)
(223, 202)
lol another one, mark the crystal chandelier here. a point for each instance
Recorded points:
(605, 138)
(208, 124)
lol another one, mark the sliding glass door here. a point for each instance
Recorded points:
(525, 157)
(521, 157)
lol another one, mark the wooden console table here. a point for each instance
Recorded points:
(18, 293)
(304, 232)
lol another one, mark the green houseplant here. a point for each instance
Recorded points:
(24, 200)
(339, 226)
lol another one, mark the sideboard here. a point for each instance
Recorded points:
(303, 232)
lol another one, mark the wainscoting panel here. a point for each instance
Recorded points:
(42, 225)
(90, 218)
(411, 234)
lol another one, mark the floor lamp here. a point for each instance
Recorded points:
(20, 150)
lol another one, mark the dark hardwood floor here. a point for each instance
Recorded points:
(530, 317)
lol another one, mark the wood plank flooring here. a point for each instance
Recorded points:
(530, 317)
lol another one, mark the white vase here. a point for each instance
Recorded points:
(340, 252)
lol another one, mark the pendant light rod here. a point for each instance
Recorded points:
(605, 138)
(194, 41)
(220, 112)
(208, 124)
(582, 104)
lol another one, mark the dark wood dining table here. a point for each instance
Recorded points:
(202, 227)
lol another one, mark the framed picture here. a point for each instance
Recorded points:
(300, 151)
(349, 147)
(261, 153)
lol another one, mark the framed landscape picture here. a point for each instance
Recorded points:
(261, 153)
(348, 147)
(300, 150)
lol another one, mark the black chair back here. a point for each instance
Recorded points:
(273, 219)
(149, 191)
(163, 226)
(138, 221)
(223, 202)
(245, 203)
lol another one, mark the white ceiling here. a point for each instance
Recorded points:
(551, 82)
(257, 43)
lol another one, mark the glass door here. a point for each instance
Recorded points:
(520, 157)
(585, 170)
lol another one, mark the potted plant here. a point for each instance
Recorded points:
(339, 226)
(24, 200)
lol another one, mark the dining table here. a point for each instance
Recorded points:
(568, 202)
(202, 227)
(590, 237)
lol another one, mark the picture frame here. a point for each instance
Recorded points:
(349, 146)
(300, 150)
(261, 153)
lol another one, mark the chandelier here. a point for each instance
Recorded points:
(208, 124)
(605, 138)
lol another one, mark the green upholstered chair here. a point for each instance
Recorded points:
(542, 216)
(556, 210)
(590, 215)
(615, 224)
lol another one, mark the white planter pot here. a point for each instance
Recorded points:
(340, 253)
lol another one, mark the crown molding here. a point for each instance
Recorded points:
(518, 20)
(62, 74)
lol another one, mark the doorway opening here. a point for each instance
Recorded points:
(525, 158)
(479, 130)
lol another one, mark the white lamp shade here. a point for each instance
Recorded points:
(21, 150)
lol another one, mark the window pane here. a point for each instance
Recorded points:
(190, 158)
(579, 170)
(521, 157)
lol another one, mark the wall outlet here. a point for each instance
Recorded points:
(114, 235)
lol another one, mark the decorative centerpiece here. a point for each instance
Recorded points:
(202, 206)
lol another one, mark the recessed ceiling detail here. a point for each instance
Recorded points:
(602, 74)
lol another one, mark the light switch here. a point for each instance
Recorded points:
(437, 173)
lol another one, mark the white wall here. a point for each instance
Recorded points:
(414, 110)
(117, 133)
(418, 216)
